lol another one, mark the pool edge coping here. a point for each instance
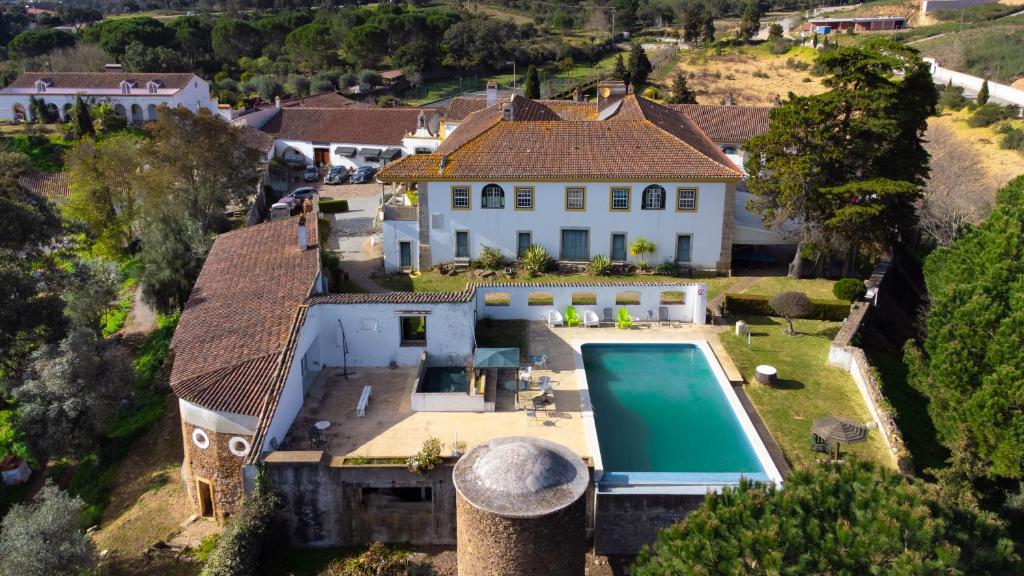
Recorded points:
(746, 423)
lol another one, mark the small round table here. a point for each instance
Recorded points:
(767, 375)
(322, 425)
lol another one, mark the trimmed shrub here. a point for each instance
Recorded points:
(599, 265)
(988, 114)
(791, 305)
(331, 206)
(756, 305)
(848, 289)
(490, 258)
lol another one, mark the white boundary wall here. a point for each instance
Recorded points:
(997, 91)
(691, 311)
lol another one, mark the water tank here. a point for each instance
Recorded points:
(520, 508)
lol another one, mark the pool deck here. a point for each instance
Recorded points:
(391, 429)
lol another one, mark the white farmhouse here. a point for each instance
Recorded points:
(136, 96)
(579, 178)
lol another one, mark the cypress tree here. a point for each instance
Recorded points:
(983, 93)
(620, 72)
(639, 66)
(531, 89)
(81, 119)
(681, 93)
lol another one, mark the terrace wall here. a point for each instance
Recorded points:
(624, 523)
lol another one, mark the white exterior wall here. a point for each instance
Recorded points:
(499, 227)
(219, 422)
(294, 392)
(195, 95)
(395, 231)
(519, 308)
(997, 91)
(373, 333)
(306, 148)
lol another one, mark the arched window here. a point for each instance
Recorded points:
(492, 197)
(654, 198)
(153, 87)
(41, 86)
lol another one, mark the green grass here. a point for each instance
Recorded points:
(815, 288)
(504, 334)
(46, 153)
(808, 388)
(117, 316)
(986, 49)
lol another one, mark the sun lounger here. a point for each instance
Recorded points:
(590, 319)
(554, 319)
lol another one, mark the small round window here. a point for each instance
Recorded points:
(200, 439)
(239, 446)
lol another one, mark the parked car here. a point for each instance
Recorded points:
(336, 175)
(301, 194)
(311, 174)
(363, 175)
(283, 208)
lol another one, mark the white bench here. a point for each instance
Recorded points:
(364, 399)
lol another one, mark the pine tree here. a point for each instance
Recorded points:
(639, 66)
(81, 119)
(707, 28)
(750, 22)
(983, 93)
(531, 88)
(620, 72)
(814, 39)
(681, 93)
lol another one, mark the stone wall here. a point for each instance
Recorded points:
(216, 465)
(553, 545)
(624, 523)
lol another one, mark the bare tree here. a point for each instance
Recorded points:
(597, 20)
(956, 194)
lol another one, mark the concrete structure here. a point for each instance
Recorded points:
(866, 24)
(137, 97)
(1000, 93)
(520, 509)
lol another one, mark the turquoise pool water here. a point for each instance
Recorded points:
(662, 417)
(444, 379)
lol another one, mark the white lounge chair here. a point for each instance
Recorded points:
(555, 319)
(525, 376)
(590, 319)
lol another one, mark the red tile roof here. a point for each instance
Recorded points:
(728, 124)
(237, 321)
(381, 126)
(52, 185)
(642, 140)
(462, 106)
(70, 81)
(322, 100)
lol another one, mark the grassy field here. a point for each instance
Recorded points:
(990, 49)
(815, 288)
(808, 388)
(752, 74)
(998, 165)
(433, 282)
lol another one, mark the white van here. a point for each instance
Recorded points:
(280, 211)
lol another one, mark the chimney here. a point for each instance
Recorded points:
(728, 101)
(116, 68)
(277, 101)
(492, 94)
(776, 102)
(577, 95)
(508, 110)
(302, 233)
(609, 92)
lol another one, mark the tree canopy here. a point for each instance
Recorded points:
(971, 366)
(848, 519)
(43, 538)
(681, 93)
(39, 41)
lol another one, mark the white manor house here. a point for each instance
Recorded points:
(581, 179)
(136, 96)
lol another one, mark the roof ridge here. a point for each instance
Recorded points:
(728, 164)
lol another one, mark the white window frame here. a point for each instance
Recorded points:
(574, 193)
(529, 196)
(492, 197)
(461, 198)
(692, 201)
(654, 191)
(611, 201)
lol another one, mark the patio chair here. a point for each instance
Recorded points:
(650, 318)
(571, 317)
(663, 317)
(608, 319)
(590, 319)
(554, 319)
(526, 376)
(539, 360)
(625, 320)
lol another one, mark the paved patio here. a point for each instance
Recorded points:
(391, 429)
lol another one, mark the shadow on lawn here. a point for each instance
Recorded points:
(786, 384)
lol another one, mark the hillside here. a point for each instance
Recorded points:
(753, 75)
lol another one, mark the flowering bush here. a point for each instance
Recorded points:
(427, 458)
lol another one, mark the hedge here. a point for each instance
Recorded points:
(754, 305)
(329, 206)
(240, 547)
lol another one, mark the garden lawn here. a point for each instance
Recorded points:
(433, 282)
(808, 387)
(815, 288)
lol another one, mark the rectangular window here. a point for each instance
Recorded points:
(460, 197)
(462, 244)
(414, 330)
(686, 199)
(575, 245)
(405, 254)
(683, 248)
(575, 198)
(524, 198)
(620, 199)
(523, 241)
(618, 247)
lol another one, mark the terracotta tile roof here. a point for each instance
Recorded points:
(256, 139)
(322, 100)
(462, 106)
(240, 314)
(728, 124)
(356, 125)
(73, 81)
(52, 185)
(393, 298)
(642, 141)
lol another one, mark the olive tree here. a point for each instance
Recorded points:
(791, 305)
(43, 538)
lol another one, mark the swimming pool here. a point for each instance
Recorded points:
(664, 415)
(444, 379)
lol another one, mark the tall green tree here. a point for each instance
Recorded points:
(312, 47)
(39, 41)
(531, 87)
(638, 64)
(81, 119)
(840, 519)
(983, 93)
(750, 21)
(693, 20)
(619, 71)
(707, 25)
(233, 39)
(971, 365)
(115, 35)
(44, 537)
(868, 126)
(681, 93)
(101, 175)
